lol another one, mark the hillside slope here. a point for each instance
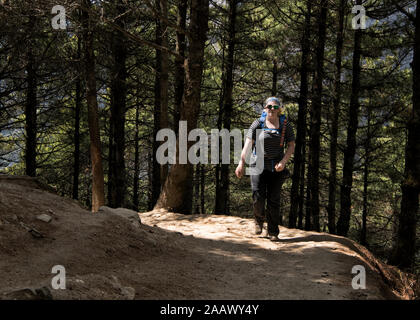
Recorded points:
(172, 256)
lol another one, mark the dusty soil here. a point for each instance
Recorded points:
(173, 256)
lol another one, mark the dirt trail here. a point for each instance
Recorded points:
(173, 256)
(302, 265)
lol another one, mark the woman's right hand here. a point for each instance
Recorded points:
(240, 170)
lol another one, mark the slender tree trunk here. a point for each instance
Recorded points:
(308, 212)
(98, 195)
(332, 183)
(222, 197)
(316, 111)
(344, 220)
(302, 187)
(136, 162)
(156, 172)
(219, 127)
(179, 62)
(164, 66)
(76, 154)
(30, 114)
(30, 107)
(404, 253)
(343, 223)
(173, 193)
(363, 233)
(116, 179)
(299, 158)
(150, 202)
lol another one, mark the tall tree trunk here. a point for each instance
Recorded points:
(76, 154)
(316, 114)
(98, 195)
(173, 193)
(332, 183)
(156, 172)
(116, 179)
(299, 158)
(363, 233)
(164, 66)
(179, 62)
(219, 127)
(150, 203)
(222, 197)
(308, 211)
(30, 114)
(343, 223)
(136, 161)
(179, 91)
(404, 253)
(302, 187)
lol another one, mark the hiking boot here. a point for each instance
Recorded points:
(264, 233)
(273, 238)
(258, 228)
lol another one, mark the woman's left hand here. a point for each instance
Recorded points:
(280, 166)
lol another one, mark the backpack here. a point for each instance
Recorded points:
(282, 124)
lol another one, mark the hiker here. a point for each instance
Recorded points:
(276, 132)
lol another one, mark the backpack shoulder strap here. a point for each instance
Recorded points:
(283, 121)
(261, 125)
(262, 119)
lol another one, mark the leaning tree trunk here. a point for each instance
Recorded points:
(404, 253)
(299, 158)
(316, 114)
(332, 183)
(343, 223)
(174, 191)
(98, 196)
(116, 178)
(222, 197)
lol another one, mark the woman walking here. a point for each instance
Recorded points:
(275, 133)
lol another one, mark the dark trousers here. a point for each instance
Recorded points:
(267, 185)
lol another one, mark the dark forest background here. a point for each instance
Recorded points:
(80, 107)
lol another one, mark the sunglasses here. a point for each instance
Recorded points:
(275, 107)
